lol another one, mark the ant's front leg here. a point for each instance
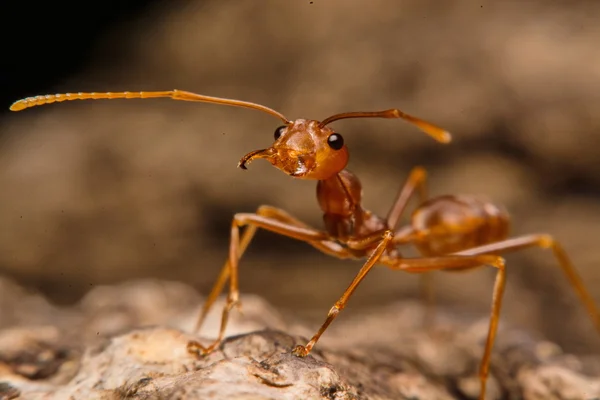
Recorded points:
(249, 232)
(327, 247)
(384, 238)
(271, 219)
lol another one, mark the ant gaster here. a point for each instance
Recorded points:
(452, 233)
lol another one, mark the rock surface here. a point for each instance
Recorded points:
(129, 342)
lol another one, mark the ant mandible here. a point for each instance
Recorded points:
(452, 233)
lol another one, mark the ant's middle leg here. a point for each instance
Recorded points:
(273, 220)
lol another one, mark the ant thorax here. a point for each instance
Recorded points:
(339, 198)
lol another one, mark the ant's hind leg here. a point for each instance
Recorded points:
(520, 243)
(546, 242)
(465, 260)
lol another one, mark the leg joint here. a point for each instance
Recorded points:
(337, 307)
(500, 263)
(547, 241)
(265, 209)
(419, 173)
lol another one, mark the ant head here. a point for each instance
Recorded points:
(304, 149)
(311, 150)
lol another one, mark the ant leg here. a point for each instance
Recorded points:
(465, 260)
(416, 182)
(330, 248)
(546, 242)
(223, 276)
(272, 224)
(303, 351)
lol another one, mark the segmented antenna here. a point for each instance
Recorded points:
(173, 94)
(439, 134)
(60, 97)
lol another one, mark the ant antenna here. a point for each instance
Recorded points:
(173, 94)
(435, 132)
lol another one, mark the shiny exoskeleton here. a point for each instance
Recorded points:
(452, 233)
(456, 223)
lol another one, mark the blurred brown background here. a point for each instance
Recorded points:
(99, 192)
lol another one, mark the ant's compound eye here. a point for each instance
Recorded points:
(279, 131)
(335, 141)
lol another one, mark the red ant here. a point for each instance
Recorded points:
(452, 233)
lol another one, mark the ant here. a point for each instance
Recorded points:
(452, 233)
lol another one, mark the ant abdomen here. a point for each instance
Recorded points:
(456, 223)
